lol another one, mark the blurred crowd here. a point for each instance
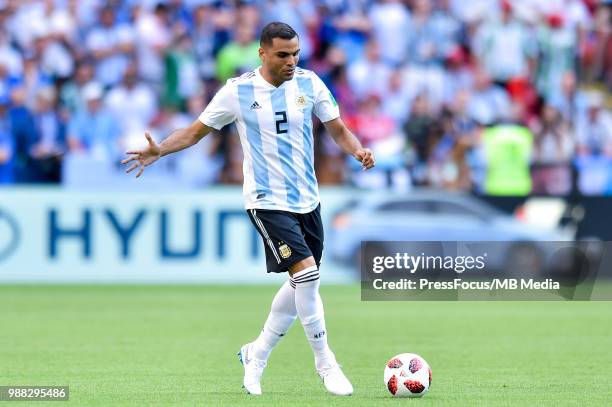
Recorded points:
(503, 97)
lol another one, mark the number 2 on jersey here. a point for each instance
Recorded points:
(282, 120)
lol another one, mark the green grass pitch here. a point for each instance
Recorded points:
(176, 345)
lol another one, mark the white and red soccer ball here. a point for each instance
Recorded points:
(407, 375)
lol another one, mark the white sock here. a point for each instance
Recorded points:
(310, 310)
(281, 317)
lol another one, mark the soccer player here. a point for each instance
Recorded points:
(272, 107)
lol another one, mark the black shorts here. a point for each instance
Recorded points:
(288, 237)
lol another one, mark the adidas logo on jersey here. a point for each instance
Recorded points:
(255, 105)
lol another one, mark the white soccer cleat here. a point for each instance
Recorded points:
(335, 381)
(253, 369)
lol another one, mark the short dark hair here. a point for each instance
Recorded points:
(276, 30)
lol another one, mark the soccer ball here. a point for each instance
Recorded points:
(407, 375)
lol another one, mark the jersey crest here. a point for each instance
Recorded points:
(301, 101)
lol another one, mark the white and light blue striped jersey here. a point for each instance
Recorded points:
(275, 128)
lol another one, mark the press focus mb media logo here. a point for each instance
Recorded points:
(453, 270)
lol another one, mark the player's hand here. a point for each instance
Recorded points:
(365, 157)
(143, 158)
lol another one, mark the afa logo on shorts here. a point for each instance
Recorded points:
(285, 251)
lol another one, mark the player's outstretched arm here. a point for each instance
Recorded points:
(349, 143)
(176, 141)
